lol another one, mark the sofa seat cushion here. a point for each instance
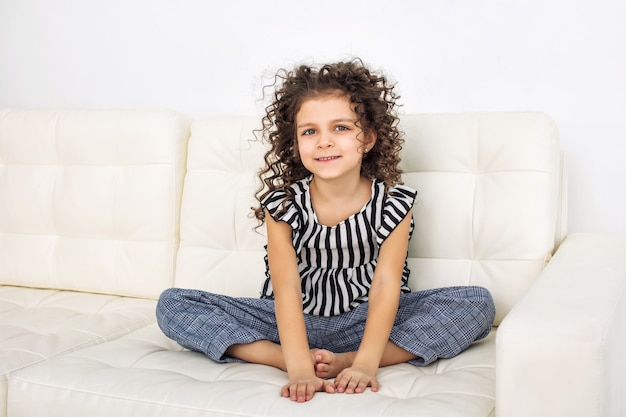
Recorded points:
(144, 373)
(39, 324)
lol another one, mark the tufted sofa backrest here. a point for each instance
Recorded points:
(90, 200)
(219, 249)
(488, 210)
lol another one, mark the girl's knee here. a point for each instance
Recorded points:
(483, 301)
(167, 297)
(486, 298)
(479, 307)
(483, 293)
(168, 294)
(166, 304)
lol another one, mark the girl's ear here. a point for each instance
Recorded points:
(370, 141)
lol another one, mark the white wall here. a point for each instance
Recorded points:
(564, 57)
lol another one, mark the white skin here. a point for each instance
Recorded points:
(331, 146)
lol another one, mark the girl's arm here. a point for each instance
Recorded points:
(383, 302)
(303, 382)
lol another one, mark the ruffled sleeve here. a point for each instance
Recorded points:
(397, 205)
(282, 208)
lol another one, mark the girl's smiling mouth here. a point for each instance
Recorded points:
(327, 158)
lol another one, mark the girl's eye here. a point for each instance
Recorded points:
(308, 132)
(341, 127)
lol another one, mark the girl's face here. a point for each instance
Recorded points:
(330, 144)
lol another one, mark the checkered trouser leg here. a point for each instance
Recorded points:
(441, 323)
(211, 323)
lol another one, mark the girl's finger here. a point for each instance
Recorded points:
(362, 385)
(374, 385)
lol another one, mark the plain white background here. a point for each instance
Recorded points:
(203, 58)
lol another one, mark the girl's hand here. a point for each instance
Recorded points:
(301, 389)
(354, 381)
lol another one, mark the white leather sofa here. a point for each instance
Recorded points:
(102, 210)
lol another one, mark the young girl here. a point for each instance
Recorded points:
(335, 303)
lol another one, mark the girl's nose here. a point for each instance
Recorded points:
(324, 141)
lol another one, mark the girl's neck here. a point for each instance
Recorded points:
(334, 201)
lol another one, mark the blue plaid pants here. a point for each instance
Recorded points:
(431, 324)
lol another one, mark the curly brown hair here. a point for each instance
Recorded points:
(374, 104)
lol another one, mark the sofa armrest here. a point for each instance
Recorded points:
(560, 351)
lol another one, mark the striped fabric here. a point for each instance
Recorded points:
(337, 263)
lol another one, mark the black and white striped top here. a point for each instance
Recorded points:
(337, 263)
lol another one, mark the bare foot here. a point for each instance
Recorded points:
(329, 364)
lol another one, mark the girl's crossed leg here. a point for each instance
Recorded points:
(328, 364)
(430, 324)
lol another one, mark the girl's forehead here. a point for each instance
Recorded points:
(329, 105)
